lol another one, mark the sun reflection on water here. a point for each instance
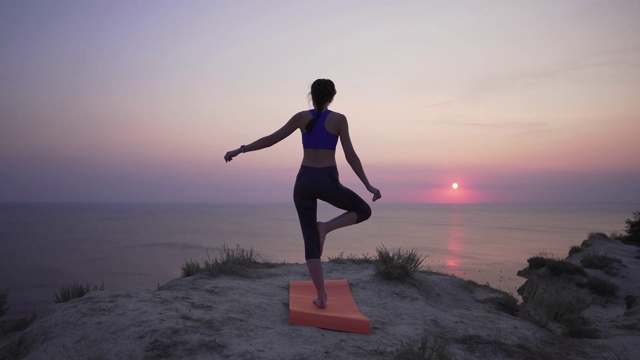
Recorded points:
(454, 247)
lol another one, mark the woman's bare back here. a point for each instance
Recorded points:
(322, 157)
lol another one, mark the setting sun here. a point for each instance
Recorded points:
(454, 186)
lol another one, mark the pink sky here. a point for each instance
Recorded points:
(516, 101)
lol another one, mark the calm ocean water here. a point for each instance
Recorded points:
(138, 246)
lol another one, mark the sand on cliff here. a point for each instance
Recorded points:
(203, 317)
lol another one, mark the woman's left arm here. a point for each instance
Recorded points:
(269, 140)
(354, 160)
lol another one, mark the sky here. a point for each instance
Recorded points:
(138, 101)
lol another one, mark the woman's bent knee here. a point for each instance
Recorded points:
(363, 213)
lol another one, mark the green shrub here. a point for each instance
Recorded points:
(398, 265)
(74, 291)
(425, 349)
(541, 260)
(597, 261)
(563, 306)
(506, 304)
(231, 262)
(617, 235)
(593, 235)
(4, 301)
(633, 229)
(555, 265)
(238, 255)
(579, 327)
(235, 262)
(538, 262)
(559, 307)
(190, 268)
(575, 249)
(602, 287)
(560, 267)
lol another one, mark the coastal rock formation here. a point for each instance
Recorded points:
(591, 294)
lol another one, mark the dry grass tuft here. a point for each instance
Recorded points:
(351, 258)
(75, 291)
(236, 261)
(397, 265)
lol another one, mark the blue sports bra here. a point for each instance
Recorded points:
(319, 137)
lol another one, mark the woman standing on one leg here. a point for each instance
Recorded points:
(318, 175)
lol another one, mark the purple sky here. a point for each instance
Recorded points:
(121, 101)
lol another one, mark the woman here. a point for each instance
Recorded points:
(318, 175)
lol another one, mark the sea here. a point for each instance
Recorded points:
(44, 246)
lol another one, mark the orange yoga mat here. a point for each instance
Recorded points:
(341, 312)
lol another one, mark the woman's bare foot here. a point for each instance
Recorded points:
(321, 302)
(322, 234)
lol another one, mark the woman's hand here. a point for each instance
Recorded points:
(231, 154)
(375, 192)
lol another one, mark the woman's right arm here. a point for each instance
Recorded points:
(264, 142)
(354, 160)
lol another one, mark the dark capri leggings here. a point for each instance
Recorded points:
(323, 184)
